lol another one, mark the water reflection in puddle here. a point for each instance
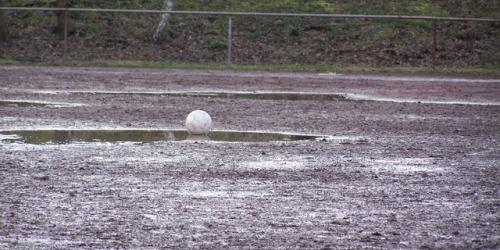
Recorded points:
(405, 165)
(272, 95)
(69, 136)
(28, 103)
(261, 95)
(22, 104)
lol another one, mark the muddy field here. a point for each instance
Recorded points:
(409, 162)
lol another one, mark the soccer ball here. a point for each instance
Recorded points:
(198, 122)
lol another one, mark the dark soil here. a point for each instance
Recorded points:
(395, 175)
(256, 40)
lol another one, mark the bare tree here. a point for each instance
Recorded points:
(60, 14)
(168, 5)
(4, 32)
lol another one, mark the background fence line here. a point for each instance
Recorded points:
(433, 19)
(268, 14)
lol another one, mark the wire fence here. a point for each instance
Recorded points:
(433, 20)
(226, 13)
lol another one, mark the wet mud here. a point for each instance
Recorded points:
(388, 175)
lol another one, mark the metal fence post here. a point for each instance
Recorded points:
(65, 34)
(433, 19)
(229, 41)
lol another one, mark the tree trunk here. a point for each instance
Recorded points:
(60, 15)
(4, 32)
(168, 5)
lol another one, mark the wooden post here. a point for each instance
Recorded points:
(229, 41)
(65, 34)
(434, 43)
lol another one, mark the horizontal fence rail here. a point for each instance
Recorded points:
(433, 19)
(262, 14)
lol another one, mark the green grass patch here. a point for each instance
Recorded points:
(493, 70)
(217, 45)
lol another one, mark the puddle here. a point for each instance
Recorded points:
(358, 97)
(221, 194)
(23, 241)
(272, 165)
(29, 103)
(405, 165)
(333, 75)
(71, 136)
(260, 95)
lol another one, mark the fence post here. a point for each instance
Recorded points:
(229, 41)
(65, 34)
(434, 43)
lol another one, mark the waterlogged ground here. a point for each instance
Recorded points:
(413, 164)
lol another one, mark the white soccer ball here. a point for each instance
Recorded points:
(198, 122)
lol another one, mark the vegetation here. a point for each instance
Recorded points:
(471, 8)
(469, 71)
(4, 34)
(288, 41)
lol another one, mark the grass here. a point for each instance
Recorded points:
(493, 70)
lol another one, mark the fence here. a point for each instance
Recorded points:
(433, 19)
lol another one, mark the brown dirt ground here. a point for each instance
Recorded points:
(427, 175)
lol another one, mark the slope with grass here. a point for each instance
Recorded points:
(202, 39)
